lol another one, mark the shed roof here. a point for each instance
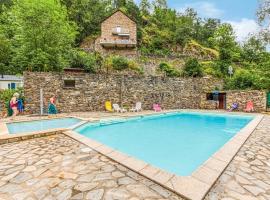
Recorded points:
(118, 10)
(11, 78)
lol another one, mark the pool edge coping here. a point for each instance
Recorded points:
(195, 186)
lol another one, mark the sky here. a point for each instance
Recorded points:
(240, 13)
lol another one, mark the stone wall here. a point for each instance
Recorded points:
(92, 90)
(242, 97)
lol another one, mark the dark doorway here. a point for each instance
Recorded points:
(222, 101)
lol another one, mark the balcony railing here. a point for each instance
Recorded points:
(118, 43)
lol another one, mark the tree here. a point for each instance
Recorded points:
(263, 14)
(5, 54)
(145, 7)
(119, 3)
(162, 4)
(5, 4)
(224, 40)
(87, 14)
(42, 35)
(252, 49)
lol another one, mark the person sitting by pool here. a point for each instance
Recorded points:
(52, 107)
(233, 107)
(14, 104)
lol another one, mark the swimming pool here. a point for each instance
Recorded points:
(178, 143)
(41, 125)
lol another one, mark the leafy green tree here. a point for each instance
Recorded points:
(5, 4)
(252, 49)
(5, 54)
(162, 4)
(87, 14)
(206, 29)
(185, 27)
(145, 7)
(42, 35)
(224, 41)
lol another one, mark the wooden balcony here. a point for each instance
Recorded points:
(118, 43)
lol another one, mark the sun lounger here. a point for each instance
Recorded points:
(249, 107)
(234, 107)
(157, 108)
(108, 106)
(117, 108)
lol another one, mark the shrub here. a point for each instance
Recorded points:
(81, 59)
(6, 95)
(193, 68)
(133, 65)
(242, 79)
(169, 70)
(119, 63)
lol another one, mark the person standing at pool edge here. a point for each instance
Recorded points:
(52, 107)
(14, 104)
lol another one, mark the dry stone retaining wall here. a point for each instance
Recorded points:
(92, 90)
(242, 97)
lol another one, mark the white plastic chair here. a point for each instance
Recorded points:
(138, 107)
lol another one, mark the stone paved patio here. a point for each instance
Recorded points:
(58, 167)
(248, 175)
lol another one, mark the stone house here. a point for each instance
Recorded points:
(118, 36)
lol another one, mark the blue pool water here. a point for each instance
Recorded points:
(177, 143)
(40, 125)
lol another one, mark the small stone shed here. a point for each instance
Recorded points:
(118, 36)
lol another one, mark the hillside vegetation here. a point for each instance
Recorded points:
(44, 35)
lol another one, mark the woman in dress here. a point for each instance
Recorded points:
(52, 107)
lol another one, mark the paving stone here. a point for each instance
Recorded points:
(117, 193)
(67, 175)
(85, 186)
(67, 184)
(41, 192)
(126, 181)
(95, 194)
(77, 196)
(103, 176)
(64, 195)
(20, 178)
(142, 191)
(20, 196)
(10, 176)
(254, 190)
(30, 168)
(117, 174)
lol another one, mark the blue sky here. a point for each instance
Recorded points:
(240, 13)
(225, 9)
